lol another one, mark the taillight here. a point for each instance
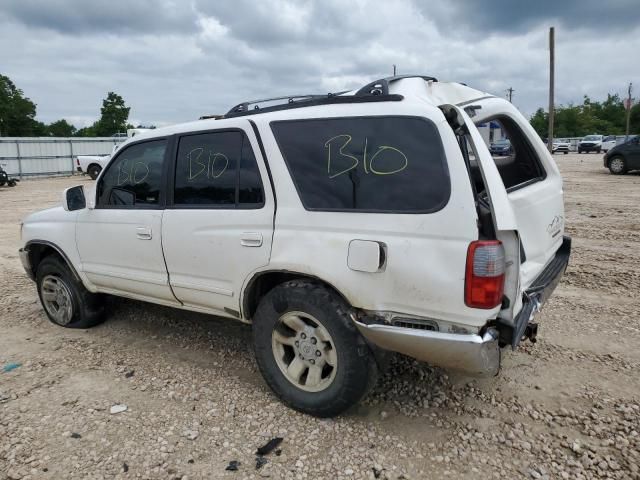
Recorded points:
(484, 281)
(77, 161)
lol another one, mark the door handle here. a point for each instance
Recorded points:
(251, 239)
(143, 233)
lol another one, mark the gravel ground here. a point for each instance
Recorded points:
(566, 407)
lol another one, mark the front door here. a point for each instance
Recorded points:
(119, 241)
(218, 225)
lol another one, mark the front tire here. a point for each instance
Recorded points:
(617, 166)
(94, 171)
(309, 351)
(64, 298)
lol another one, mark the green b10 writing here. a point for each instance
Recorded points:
(394, 160)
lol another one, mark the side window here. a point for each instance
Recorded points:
(134, 178)
(217, 169)
(517, 161)
(368, 164)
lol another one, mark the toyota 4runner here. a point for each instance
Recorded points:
(340, 226)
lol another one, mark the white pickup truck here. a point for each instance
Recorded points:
(339, 226)
(92, 165)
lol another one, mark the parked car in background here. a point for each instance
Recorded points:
(624, 157)
(560, 146)
(92, 165)
(394, 230)
(501, 147)
(608, 143)
(590, 143)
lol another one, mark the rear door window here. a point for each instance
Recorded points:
(368, 164)
(217, 169)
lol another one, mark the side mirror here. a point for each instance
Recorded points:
(73, 199)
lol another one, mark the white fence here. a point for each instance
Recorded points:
(32, 156)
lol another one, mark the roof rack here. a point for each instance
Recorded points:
(299, 101)
(244, 106)
(377, 91)
(381, 87)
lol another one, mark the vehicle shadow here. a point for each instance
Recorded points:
(404, 385)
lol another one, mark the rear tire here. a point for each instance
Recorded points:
(64, 298)
(617, 165)
(94, 171)
(309, 351)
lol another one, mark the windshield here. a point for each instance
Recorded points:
(502, 142)
(592, 137)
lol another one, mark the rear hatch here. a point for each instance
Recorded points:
(525, 195)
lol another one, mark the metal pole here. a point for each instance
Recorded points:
(19, 160)
(551, 86)
(626, 138)
(509, 93)
(71, 153)
(394, 70)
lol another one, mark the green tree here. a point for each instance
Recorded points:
(634, 120)
(113, 116)
(540, 122)
(61, 128)
(17, 112)
(607, 118)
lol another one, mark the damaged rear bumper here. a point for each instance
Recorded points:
(477, 355)
(473, 354)
(536, 296)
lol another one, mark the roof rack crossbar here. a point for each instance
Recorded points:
(381, 87)
(315, 101)
(244, 106)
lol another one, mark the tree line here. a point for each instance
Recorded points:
(607, 117)
(18, 117)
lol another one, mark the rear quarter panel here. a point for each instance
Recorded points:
(426, 253)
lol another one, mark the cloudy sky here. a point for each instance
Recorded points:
(174, 60)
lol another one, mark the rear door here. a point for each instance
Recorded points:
(218, 225)
(525, 190)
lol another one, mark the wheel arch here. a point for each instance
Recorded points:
(94, 164)
(263, 282)
(39, 249)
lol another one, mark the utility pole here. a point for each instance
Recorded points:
(626, 138)
(394, 69)
(509, 93)
(551, 86)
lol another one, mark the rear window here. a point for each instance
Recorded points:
(369, 164)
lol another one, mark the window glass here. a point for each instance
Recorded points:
(250, 185)
(207, 169)
(518, 164)
(379, 164)
(135, 176)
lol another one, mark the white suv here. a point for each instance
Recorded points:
(340, 226)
